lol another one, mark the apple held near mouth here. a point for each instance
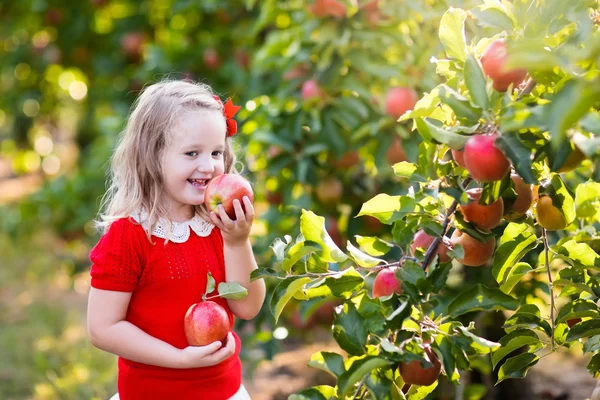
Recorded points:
(205, 323)
(224, 189)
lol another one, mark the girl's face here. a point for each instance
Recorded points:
(193, 156)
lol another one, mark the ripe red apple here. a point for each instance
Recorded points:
(274, 198)
(459, 157)
(422, 240)
(298, 71)
(224, 189)
(476, 253)
(399, 100)
(413, 373)
(385, 283)
(395, 153)
(484, 161)
(324, 8)
(205, 323)
(54, 16)
(242, 58)
(332, 226)
(329, 191)
(485, 217)
(311, 89)
(211, 59)
(493, 62)
(524, 198)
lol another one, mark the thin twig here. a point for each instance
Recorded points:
(550, 285)
(434, 245)
(358, 389)
(528, 88)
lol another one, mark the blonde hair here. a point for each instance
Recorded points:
(136, 178)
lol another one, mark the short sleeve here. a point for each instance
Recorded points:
(118, 258)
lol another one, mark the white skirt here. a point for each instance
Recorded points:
(241, 394)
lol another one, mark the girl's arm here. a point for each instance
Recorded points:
(109, 331)
(239, 257)
(239, 263)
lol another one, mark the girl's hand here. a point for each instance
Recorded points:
(235, 232)
(206, 356)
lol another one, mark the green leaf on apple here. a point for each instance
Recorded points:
(519, 156)
(433, 130)
(232, 290)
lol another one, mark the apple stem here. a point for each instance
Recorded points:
(528, 88)
(210, 297)
(550, 286)
(434, 245)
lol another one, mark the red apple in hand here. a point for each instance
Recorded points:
(224, 189)
(205, 323)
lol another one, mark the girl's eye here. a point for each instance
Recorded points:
(217, 153)
(191, 153)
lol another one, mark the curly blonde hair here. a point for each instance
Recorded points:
(136, 179)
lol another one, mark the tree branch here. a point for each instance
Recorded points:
(433, 246)
(550, 286)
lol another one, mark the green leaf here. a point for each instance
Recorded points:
(373, 245)
(462, 107)
(210, 283)
(434, 129)
(263, 273)
(570, 104)
(516, 241)
(331, 363)
(492, 17)
(362, 259)
(386, 208)
(594, 364)
(480, 298)
(514, 341)
(587, 201)
(338, 285)
(520, 156)
(408, 170)
(357, 371)
(584, 329)
(321, 392)
(517, 367)
(564, 198)
(349, 330)
(296, 253)
(579, 308)
(580, 255)
(479, 344)
(232, 290)
(283, 292)
(312, 227)
(475, 82)
(417, 392)
(452, 33)
(279, 246)
(528, 317)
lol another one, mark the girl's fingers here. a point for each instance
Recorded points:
(225, 218)
(249, 209)
(239, 212)
(215, 220)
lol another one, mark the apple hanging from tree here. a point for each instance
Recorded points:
(493, 61)
(459, 157)
(205, 323)
(385, 283)
(224, 189)
(523, 201)
(422, 240)
(484, 216)
(476, 253)
(414, 373)
(329, 191)
(311, 90)
(484, 161)
(548, 215)
(399, 100)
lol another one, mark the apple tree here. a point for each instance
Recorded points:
(497, 212)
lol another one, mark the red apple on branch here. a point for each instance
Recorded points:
(413, 373)
(385, 283)
(484, 161)
(493, 62)
(399, 100)
(483, 216)
(224, 189)
(205, 323)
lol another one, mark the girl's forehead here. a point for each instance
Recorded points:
(199, 125)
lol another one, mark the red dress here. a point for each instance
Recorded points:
(165, 280)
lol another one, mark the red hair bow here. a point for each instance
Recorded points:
(229, 110)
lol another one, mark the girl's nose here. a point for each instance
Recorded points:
(206, 165)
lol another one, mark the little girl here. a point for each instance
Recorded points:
(160, 242)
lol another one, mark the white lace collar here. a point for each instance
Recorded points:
(180, 230)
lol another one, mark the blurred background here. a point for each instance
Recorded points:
(321, 84)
